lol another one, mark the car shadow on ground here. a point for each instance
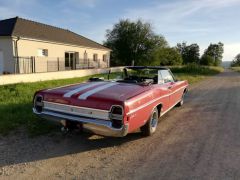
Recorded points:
(20, 148)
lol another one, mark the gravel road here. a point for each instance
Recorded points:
(200, 140)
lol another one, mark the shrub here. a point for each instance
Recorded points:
(196, 69)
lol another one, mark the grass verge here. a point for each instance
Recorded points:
(16, 99)
(236, 69)
(194, 73)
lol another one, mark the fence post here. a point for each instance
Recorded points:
(75, 61)
(18, 66)
(88, 63)
(31, 64)
(15, 63)
(34, 64)
(58, 64)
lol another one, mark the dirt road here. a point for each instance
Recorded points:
(200, 140)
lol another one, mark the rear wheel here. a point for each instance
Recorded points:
(150, 127)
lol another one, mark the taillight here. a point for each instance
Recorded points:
(38, 103)
(116, 116)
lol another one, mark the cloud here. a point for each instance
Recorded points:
(178, 16)
(230, 51)
(81, 3)
(194, 21)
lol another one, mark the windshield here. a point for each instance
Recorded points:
(144, 76)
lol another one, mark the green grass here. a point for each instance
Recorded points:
(16, 99)
(197, 70)
(236, 69)
(190, 78)
(194, 73)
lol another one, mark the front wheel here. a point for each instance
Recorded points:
(182, 100)
(150, 127)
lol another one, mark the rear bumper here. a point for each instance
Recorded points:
(97, 126)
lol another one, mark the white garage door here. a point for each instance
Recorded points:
(1, 62)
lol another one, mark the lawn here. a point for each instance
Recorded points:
(16, 99)
(194, 73)
(236, 69)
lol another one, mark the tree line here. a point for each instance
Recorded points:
(236, 61)
(135, 42)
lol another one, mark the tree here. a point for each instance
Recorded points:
(236, 60)
(190, 53)
(166, 57)
(214, 54)
(207, 60)
(132, 42)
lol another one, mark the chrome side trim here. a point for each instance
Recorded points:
(97, 126)
(76, 110)
(93, 91)
(154, 100)
(70, 93)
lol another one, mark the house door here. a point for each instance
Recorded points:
(70, 60)
(1, 62)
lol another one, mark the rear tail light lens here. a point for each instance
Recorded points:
(116, 116)
(38, 103)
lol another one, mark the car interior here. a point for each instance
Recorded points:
(143, 76)
(147, 76)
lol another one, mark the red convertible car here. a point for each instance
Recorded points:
(114, 107)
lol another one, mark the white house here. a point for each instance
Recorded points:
(27, 47)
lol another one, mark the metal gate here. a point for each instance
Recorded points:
(24, 65)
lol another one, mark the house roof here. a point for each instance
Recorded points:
(30, 29)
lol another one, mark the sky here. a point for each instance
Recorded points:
(193, 21)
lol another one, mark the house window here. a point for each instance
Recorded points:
(104, 58)
(95, 57)
(42, 52)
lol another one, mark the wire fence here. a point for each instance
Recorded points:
(27, 65)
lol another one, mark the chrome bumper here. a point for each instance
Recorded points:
(96, 126)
